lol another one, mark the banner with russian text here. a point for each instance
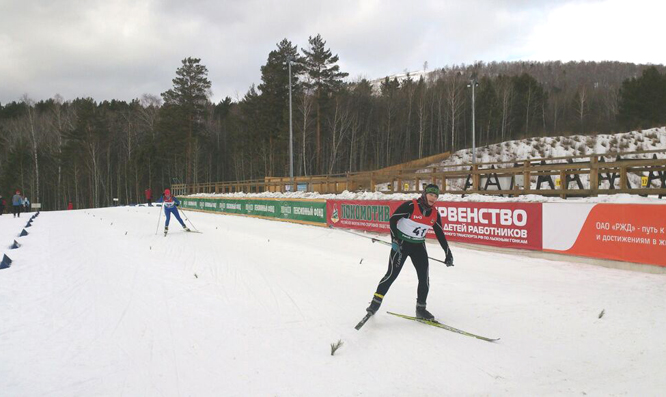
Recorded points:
(511, 225)
(514, 225)
(301, 211)
(625, 232)
(368, 215)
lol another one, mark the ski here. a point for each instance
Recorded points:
(193, 231)
(365, 319)
(436, 323)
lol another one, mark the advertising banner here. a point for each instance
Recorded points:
(511, 225)
(369, 215)
(625, 232)
(514, 225)
(310, 211)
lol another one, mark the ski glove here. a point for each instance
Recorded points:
(449, 258)
(395, 245)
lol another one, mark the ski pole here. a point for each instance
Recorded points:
(188, 219)
(158, 221)
(376, 240)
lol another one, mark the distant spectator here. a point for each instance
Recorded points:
(3, 203)
(149, 197)
(26, 204)
(70, 206)
(17, 202)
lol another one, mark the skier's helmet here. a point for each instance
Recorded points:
(167, 192)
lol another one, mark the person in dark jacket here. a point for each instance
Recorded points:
(17, 203)
(409, 224)
(149, 197)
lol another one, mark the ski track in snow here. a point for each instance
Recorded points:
(88, 310)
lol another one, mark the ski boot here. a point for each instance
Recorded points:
(375, 303)
(422, 313)
(187, 229)
(166, 230)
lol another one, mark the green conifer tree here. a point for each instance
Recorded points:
(187, 100)
(324, 78)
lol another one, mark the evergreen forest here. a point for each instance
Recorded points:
(91, 150)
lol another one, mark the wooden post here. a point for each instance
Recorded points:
(526, 177)
(594, 176)
(623, 178)
(434, 178)
(372, 181)
(563, 183)
(400, 181)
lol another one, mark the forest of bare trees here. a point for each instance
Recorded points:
(90, 151)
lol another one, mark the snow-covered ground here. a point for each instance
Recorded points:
(97, 304)
(563, 146)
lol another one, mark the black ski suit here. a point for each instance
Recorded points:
(416, 251)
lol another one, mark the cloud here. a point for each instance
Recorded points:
(123, 49)
(599, 31)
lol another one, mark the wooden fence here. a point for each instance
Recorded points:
(590, 175)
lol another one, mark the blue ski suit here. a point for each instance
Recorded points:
(170, 205)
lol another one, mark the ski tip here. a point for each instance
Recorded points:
(363, 321)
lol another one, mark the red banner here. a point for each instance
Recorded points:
(626, 232)
(511, 225)
(369, 215)
(514, 225)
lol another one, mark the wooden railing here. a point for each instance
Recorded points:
(591, 175)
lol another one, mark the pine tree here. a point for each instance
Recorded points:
(275, 97)
(324, 78)
(642, 101)
(529, 99)
(189, 97)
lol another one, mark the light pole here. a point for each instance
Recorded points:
(291, 131)
(473, 83)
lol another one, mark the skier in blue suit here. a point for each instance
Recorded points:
(170, 205)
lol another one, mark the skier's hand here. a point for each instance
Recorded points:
(449, 259)
(395, 245)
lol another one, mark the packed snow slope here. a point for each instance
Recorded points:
(97, 304)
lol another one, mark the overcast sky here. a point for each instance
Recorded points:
(122, 49)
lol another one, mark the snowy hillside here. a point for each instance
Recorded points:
(575, 145)
(97, 304)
